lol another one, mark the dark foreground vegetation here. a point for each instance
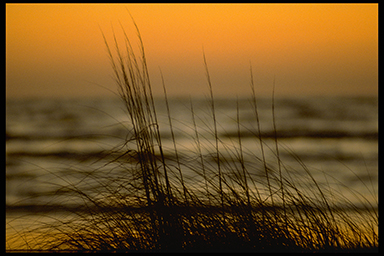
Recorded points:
(231, 206)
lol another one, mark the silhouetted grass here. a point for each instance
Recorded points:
(142, 201)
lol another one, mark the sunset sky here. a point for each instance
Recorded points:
(55, 50)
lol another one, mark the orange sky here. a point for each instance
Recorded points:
(57, 50)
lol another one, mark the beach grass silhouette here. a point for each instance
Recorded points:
(144, 199)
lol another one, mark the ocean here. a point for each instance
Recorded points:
(48, 141)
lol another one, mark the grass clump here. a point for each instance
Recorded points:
(144, 201)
